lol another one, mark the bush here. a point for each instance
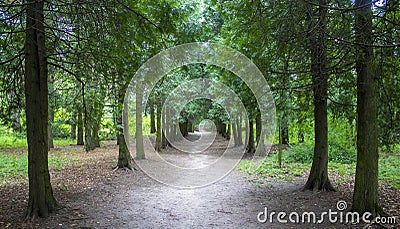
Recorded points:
(304, 154)
(299, 154)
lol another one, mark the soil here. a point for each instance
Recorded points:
(92, 195)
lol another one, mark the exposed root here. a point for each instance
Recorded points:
(316, 185)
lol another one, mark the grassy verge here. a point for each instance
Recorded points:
(16, 142)
(14, 166)
(268, 169)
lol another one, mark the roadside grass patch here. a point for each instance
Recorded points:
(14, 165)
(296, 162)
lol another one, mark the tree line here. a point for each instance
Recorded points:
(320, 58)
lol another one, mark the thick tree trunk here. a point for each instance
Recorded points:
(318, 177)
(365, 198)
(152, 119)
(139, 131)
(80, 128)
(41, 200)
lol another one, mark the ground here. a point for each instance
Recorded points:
(95, 196)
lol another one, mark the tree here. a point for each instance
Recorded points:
(41, 199)
(365, 197)
(139, 132)
(124, 156)
(318, 177)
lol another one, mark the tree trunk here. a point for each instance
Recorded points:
(125, 122)
(124, 157)
(258, 127)
(228, 131)
(158, 146)
(41, 200)
(49, 129)
(365, 197)
(152, 119)
(250, 146)
(15, 119)
(80, 128)
(139, 131)
(164, 129)
(318, 177)
(89, 143)
(235, 133)
(239, 131)
(73, 125)
(284, 132)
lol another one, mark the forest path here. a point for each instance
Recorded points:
(134, 200)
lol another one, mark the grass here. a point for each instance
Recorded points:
(16, 142)
(268, 169)
(15, 165)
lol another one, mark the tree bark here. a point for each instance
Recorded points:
(89, 143)
(95, 134)
(73, 125)
(152, 118)
(49, 129)
(124, 157)
(250, 146)
(258, 127)
(80, 128)
(158, 146)
(318, 177)
(239, 130)
(41, 200)
(228, 131)
(15, 115)
(164, 130)
(284, 132)
(235, 133)
(139, 131)
(125, 122)
(365, 197)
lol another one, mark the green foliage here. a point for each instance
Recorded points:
(300, 153)
(145, 125)
(60, 127)
(107, 129)
(10, 139)
(341, 142)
